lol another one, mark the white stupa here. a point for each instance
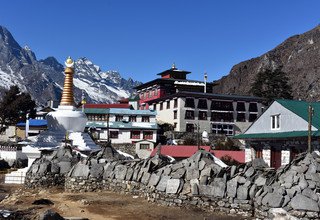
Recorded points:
(65, 124)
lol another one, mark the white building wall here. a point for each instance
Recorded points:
(285, 157)
(266, 155)
(288, 121)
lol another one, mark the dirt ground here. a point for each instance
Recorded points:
(94, 206)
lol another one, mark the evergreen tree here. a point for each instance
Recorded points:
(272, 85)
(14, 106)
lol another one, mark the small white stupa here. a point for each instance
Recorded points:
(67, 124)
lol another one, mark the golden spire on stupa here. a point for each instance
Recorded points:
(67, 94)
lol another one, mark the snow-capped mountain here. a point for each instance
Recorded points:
(44, 79)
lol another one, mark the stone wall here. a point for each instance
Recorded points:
(249, 189)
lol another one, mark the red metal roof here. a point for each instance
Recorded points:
(116, 105)
(185, 151)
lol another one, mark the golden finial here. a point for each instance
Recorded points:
(173, 66)
(69, 62)
(67, 93)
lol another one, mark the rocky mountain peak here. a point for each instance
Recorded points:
(298, 57)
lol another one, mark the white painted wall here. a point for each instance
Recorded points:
(266, 155)
(285, 157)
(288, 121)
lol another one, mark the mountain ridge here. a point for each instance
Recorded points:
(296, 56)
(44, 78)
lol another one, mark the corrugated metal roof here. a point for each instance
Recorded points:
(34, 123)
(124, 125)
(301, 108)
(119, 111)
(277, 135)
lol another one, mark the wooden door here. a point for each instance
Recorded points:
(275, 158)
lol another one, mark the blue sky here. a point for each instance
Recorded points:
(144, 37)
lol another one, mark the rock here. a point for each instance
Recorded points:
(303, 183)
(179, 173)
(219, 187)
(50, 215)
(233, 170)
(259, 163)
(206, 172)
(280, 213)
(163, 183)
(192, 174)
(173, 186)
(145, 178)
(260, 181)
(312, 168)
(310, 194)
(249, 172)
(55, 169)
(292, 192)
(252, 191)
(129, 173)
(167, 171)
(177, 166)
(241, 180)
(203, 180)
(44, 168)
(201, 164)
(194, 189)
(206, 190)
(232, 187)
(242, 192)
(273, 200)
(286, 200)
(154, 180)
(96, 170)
(120, 172)
(81, 170)
(301, 202)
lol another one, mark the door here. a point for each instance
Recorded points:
(275, 158)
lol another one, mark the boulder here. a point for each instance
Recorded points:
(173, 186)
(273, 200)
(301, 202)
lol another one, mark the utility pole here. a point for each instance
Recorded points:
(310, 114)
(198, 132)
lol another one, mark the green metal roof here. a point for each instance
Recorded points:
(277, 135)
(301, 108)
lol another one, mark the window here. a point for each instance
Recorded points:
(156, 92)
(135, 135)
(253, 107)
(132, 118)
(202, 104)
(221, 105)
(241, 107)
(202, 115)
(114, 134)
(252, 117)
(144, 146)
(145, 119)
(168, 104)
(147, 134)
(226, 129)
(155, 107)
(275, 122)
(258, 153)
(161, 106)
(119, 117)
(222, 116)
(189, 114)
(150, 93)
(175, 103)
(241, 117)
(190, 128)
(189, 103)
(175, 125)
(175, 113)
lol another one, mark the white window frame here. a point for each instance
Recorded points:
(276, 119)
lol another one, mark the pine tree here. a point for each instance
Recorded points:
(272, 85)
(14, 107)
